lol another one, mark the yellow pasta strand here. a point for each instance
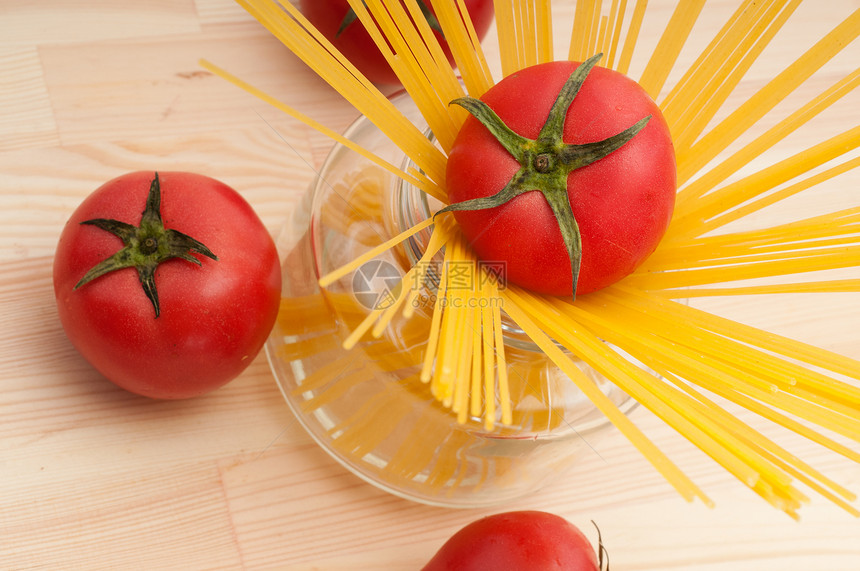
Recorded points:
(476, 400)
(632, 36)
(707, 84)
(750, 151)
(501, 367)
(829, 286)
(466, 49)
(434, 335)
(506, 30)
(689, 222)
(693, 158)
(594, 28)
(422, 76)
(488, 351)
(528, 27)
(335, 275)
(543, 16)
(665, 466)
(746, 51)
(581, 30)
(616, 20)
(669, 47)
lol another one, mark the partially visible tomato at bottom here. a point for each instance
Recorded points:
(211, 318)
(517, 541)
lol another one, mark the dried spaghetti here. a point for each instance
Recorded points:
(683, 358)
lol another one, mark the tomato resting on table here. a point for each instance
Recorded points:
(336, 20)
(518, 541)
(564, 174)
(167, 283)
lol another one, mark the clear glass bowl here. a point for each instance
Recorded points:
(367, 406)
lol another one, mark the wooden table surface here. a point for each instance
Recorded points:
(92, 477)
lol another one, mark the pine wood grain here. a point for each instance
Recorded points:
(93, 478)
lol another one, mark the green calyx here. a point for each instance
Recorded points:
(351, 17)
(546, 162)
(145, 246)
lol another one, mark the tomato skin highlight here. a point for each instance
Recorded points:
(516, 541)
(356, 44)
(622, 203)
(214, 317)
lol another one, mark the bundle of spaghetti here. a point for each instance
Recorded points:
(525, 33)
(465, 46)
(659, 336)
(583, 21)
(694, 157)
(595, 32)
(708, 180)
(545, 327)
(715, 208)
(712, 78)
(771, 381)
(406, 41)
(774, 362)
(770, 450)
(465, 362)
(818, 286)
(671, 358)
(830, 233)
(613, 34)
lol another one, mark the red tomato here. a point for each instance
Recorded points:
(516, 541)
(211, 317)
(356, 44)
(622, 202)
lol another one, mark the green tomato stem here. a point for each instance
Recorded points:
(145, 246)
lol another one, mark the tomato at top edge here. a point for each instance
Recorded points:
(622, 203)
(514, 541)
(356, 44)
